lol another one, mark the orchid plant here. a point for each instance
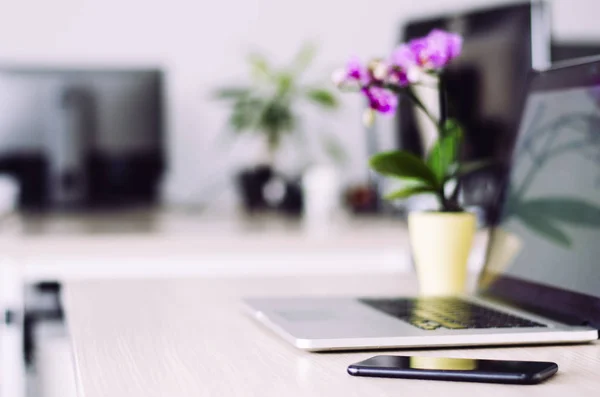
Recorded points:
(382, 81)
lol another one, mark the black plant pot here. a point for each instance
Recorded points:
(252, 186)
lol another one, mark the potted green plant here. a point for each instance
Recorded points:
(441, 240)
(268, 107)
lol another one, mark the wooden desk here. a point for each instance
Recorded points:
(175, 338)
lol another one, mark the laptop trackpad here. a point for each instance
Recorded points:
(322, 318)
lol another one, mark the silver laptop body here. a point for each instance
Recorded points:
(321, 324)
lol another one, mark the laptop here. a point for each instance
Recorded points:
(541, 281)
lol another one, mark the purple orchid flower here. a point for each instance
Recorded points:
(355, 73)
(404, 67)
(437, 49)
(356, 70)
(403, 57)
(432, 52)
(407, 65)
(381, 100)
(378, 70)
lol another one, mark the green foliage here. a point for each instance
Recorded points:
(246, 112)
(409, 191)
(442, 163)
(304, 58)
(432, 174)
(452, 127)
(443, 156)
(285, 83)
(267, 105)
(404, 165)
(259, 67)
(322, 97)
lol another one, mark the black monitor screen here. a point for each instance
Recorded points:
(75, 138)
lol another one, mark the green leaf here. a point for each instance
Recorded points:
(277, 119)
(563, 209)
(443, 155)
(409, 191)
(259, 67)
(232, 92)
(285, 83)
(451, 127)
(403, 165)
(304, 58)
(545, 228)
(322, 97)
(246, 114)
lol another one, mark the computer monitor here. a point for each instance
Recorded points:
(485, 85)
(567, 50)
(79, 138)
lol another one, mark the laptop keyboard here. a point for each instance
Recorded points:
(447, 313)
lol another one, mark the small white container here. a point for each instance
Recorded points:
(321, 191)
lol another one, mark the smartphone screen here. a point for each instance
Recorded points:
(454, 369)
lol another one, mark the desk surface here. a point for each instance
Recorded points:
(171, 338)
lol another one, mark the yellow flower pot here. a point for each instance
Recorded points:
(441, 243)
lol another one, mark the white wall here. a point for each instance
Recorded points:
(202, 43)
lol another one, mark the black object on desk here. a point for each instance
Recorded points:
(455, 369)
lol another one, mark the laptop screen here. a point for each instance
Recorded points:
(548, 235)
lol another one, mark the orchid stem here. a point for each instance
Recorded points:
(420, 105)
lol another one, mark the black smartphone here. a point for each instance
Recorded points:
(455, 369)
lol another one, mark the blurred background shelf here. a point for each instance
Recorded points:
(146, 243)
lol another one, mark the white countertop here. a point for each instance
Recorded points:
(157, 244)
(175, 338)
(188, 243)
